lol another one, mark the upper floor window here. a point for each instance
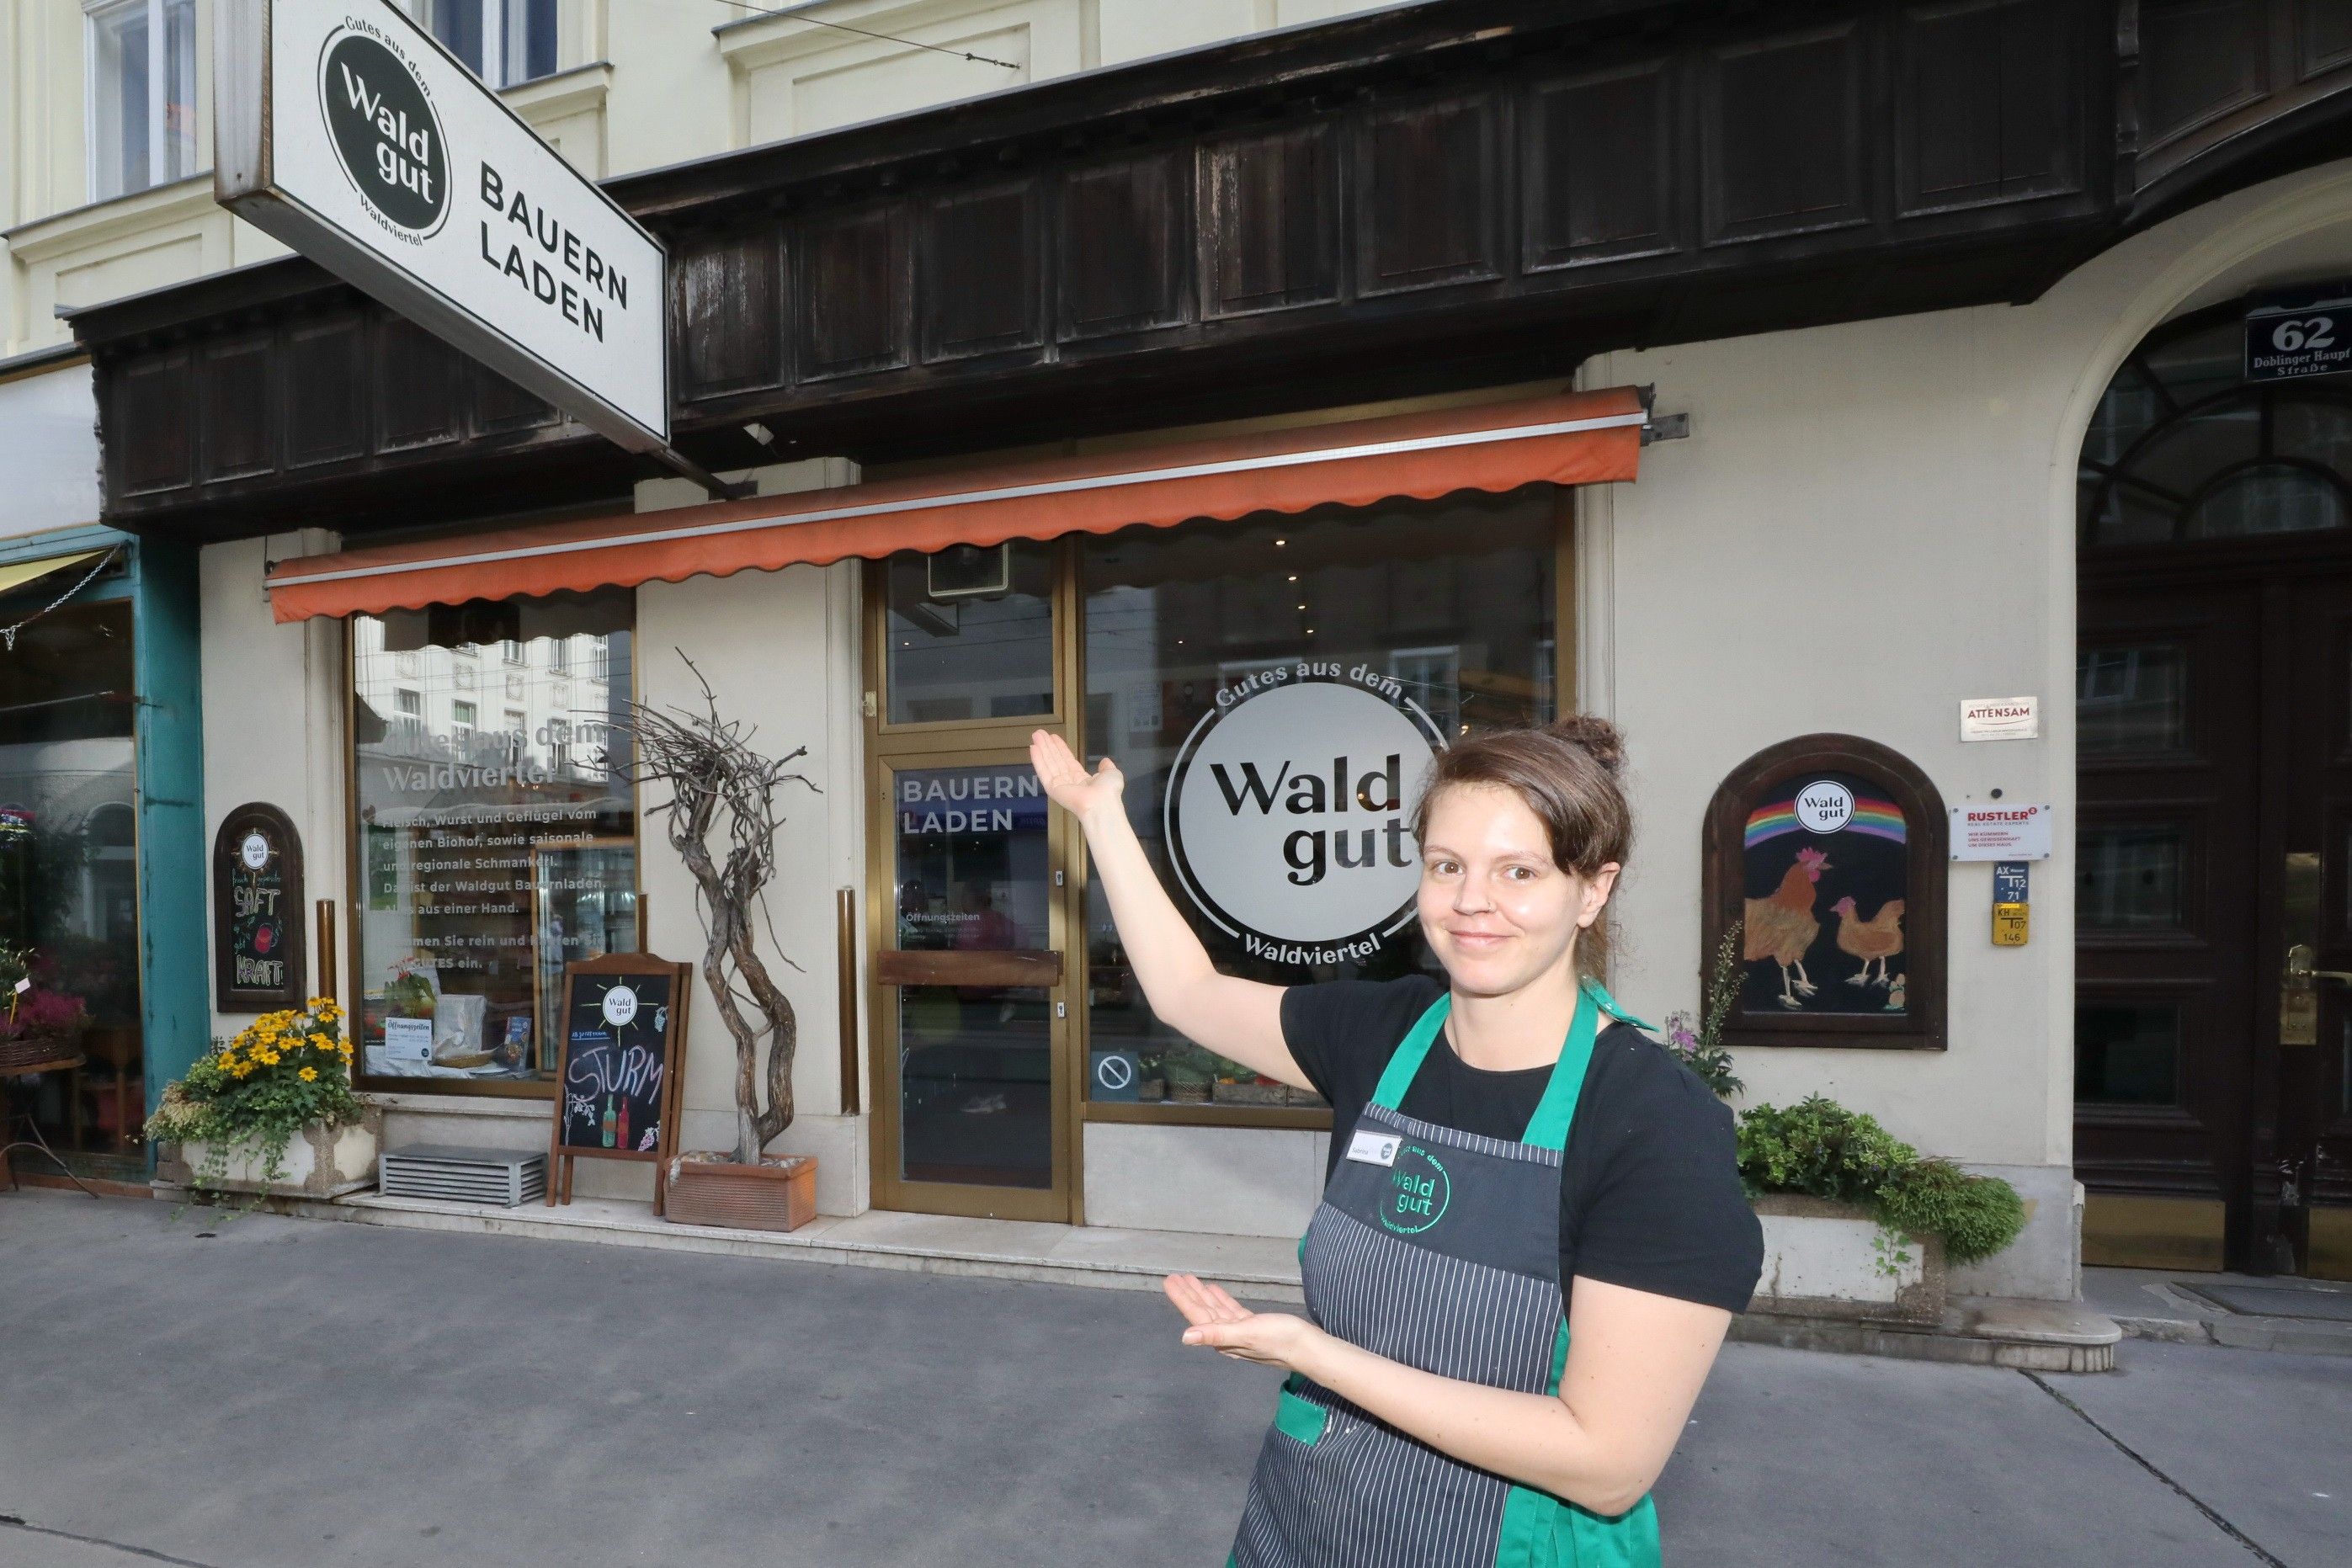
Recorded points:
(501, 41)
(142, 95)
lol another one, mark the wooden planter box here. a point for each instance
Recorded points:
(1824, 1260)
(321, 1162)
(704, 1188)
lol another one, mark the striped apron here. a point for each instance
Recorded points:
(1438, 1248)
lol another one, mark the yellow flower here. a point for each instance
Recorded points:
(269, 1058)
(227, 1060)
(310, 1074)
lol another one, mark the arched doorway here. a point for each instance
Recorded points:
(2213, 1056)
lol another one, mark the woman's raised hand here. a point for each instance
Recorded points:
(1067, 782)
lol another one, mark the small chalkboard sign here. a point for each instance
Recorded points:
(620, 1064)
(258, 961)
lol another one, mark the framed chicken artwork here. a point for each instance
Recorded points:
(1825, 854)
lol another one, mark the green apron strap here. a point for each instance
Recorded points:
(1547, 1128)
(1609, 1005)
(1397, 1077)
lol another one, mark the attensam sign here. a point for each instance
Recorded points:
(1289, 811)
(346, 130)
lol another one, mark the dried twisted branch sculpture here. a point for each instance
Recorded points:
(714, 775)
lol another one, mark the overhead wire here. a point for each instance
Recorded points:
(869, 33)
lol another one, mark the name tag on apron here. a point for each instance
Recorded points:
(1373, 1148)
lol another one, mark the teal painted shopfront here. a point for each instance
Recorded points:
(101, 837)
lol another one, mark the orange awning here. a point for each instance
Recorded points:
(1572, 438)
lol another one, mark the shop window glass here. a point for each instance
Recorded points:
(143, 105)
(1441, 609)
(501, 41)
(69, 875)
(493, 857)
(2126, 1053)
(2130, 697)
(2128, 879)
(970, 633)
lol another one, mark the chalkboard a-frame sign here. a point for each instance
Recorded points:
(258, 958)
(620, 1065)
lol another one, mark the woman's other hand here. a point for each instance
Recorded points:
(1225, 1326)
(1067, 782)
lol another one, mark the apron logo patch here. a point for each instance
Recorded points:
(1419, 1192)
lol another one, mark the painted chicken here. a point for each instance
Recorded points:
(1874, 941)
(1782, 927)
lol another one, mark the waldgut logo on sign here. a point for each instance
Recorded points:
(386, 133)
(1289, 811)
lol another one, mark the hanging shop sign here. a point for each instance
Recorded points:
(1289, 811)
(2001, 831)
(1824, 871)
(620, 1066)
(2295, 335)
(345, 130)
(258, 958)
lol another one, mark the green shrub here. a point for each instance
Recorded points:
(1976, 1216)
(1819, 1149)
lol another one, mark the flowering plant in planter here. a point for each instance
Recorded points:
(36, 1021)
(284, 1072)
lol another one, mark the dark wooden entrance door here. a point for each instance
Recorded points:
(2314, 857)
(2214, 726)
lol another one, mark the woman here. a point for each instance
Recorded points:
(1532, 1235)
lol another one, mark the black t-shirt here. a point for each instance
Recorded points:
(1649, 1193)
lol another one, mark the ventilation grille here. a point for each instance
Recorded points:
(502, 1176)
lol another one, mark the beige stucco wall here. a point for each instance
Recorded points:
(273, 701)
(1868, 524)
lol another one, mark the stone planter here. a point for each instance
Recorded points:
(707, 1189)
(1824, 1260)
(321, 1162)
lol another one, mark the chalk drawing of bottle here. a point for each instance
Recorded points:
(625, 1125)
(608, 1121)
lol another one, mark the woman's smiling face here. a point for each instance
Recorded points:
(1496, 908)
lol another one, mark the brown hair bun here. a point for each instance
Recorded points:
(1596, 735)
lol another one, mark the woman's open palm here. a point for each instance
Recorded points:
(1067, 782)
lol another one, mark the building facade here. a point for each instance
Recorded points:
(1262, 414)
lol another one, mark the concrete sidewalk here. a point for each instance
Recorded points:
(268, 1391)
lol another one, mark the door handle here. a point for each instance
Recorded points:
(2299, 971)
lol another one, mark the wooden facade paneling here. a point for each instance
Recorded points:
(1601, 153)
(1781, 117)
(1430, 204)
(852, 298)
(1269, 233)
(980, 267)
(1123, 247)
(1390, 203)
(327, 382)
(1986, 115)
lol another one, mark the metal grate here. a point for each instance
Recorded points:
(457, 1175)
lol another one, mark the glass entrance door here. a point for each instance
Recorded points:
(975, 1098)
(974, 1011)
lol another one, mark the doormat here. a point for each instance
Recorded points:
(2278, 1301)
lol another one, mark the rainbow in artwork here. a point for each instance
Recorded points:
(1879, 819)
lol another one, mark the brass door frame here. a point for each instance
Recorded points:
(955, 743)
